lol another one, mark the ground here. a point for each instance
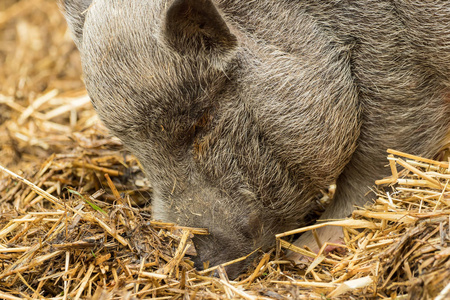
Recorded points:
(75, 210)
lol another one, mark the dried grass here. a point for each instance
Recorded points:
(75, 222)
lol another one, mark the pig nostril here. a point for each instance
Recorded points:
(198, 264)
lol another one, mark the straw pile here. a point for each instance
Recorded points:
(75, 221)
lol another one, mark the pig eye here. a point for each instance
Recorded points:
(199, 144)
(200, 124)
(204, 120)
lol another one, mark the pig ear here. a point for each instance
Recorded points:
(195, 26)
(75, 11)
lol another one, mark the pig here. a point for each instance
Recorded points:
(241, 112)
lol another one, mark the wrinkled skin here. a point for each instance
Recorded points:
(241, 112)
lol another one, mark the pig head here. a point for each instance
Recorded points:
(240, 112)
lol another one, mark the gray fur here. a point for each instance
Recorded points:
(242, 111)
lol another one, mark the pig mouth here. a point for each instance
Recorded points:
(233, 270)
(215, 253)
